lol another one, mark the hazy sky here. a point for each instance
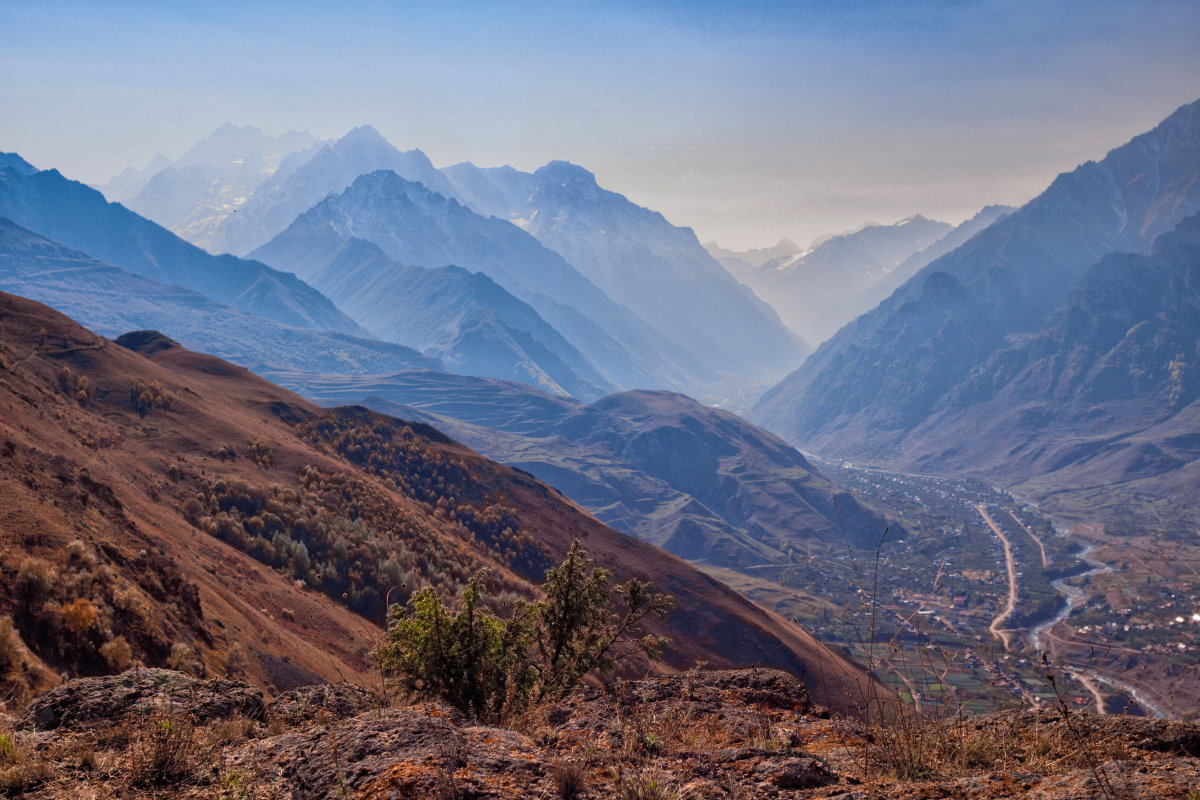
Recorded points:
(746, 120)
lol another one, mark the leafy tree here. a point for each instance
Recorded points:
(492, 667)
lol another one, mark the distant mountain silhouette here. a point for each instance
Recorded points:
(74, 215)
(414, 225)
(812, 290)
(111, 301)
(463, 318)
(196, 194)
(304, 180)
(642, 261)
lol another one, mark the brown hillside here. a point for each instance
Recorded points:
(207, 517)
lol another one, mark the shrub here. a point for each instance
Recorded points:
(570, 780)
(644, 786)
(494, 668)
(10, 647)
(20, 769)
(79, 616)
(577, 624)
(260, 453)
(35, 580)
(116, 654)
(145, 396)
(78, 386)
(184, 658)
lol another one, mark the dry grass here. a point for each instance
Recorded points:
(916, 747)
(165, 750)
(570, 780)
(20, 767)
(643, 785)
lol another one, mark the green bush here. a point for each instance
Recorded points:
(494, 668)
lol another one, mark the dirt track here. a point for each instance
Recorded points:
(1000, 633)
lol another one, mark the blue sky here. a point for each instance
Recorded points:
(746, 120)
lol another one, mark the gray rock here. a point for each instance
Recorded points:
(795, 772)
(87, 702)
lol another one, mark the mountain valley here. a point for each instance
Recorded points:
(281, 527)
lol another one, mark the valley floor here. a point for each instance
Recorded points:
(972, 608)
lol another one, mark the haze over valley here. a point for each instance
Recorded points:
(846, 435)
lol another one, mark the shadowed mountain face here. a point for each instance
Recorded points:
(1106, 395)
(888, 372)
(78, 217)
(866, 299)
(219, 497)
(640, 260)
(463, 318)
(416, 226)
(700, 482)
(111, 301)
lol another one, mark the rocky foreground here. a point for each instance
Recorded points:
(703, 735)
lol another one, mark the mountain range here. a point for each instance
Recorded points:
(111, 301)
(1100, 409)
(638, 258)
(741, 263)
(463, 318)
(304, 179)
(891, 386)
(414, 225)
(818, 290)
(629, 257)
(195, 195)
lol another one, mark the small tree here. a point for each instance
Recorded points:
(492, 667)
(578, 626)
(471, 659)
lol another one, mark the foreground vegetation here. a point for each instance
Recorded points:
(495, 667)
(696, 736)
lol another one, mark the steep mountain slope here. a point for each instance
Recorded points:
(463, 318)
(79, 217)
(1107, 394)
(884, 374)
(193, 196)
(416, 226)
(298, 187)
(866, 299)
(658, 270)
(698, 481)
(217, 511)
(810, 288)
(111, 301)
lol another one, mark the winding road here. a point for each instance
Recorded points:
(1010, 562)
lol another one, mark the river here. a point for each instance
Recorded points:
(1074, 596)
